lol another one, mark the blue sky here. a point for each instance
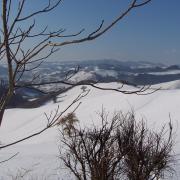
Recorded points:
(149, 33)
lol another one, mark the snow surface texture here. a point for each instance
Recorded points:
(39, 154)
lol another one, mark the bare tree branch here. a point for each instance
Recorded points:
(9, 158)
(100, 31)
(46, 9)
(52, 120)
(140, 91)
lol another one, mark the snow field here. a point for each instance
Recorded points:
(39, 154)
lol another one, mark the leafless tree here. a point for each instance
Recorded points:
(14, 35)
(121, 148)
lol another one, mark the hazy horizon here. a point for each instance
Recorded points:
(106, 59)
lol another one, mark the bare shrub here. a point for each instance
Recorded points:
(68, 123)
(93, 152)
(120, 148)
(147, 153)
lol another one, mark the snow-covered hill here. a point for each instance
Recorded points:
(39, 154)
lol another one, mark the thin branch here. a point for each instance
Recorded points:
(99, 31)
(46, 9)
(51, 122)
(141, 91)
(9, 158)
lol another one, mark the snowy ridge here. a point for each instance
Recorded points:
(168, 85)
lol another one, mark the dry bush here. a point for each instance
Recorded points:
(93, 153)
(68, 123)
(147, 153)
(120, 148)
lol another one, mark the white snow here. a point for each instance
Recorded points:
(105, 73)
(168, 85)
(39, 154)
(165, 72)
(82, 75)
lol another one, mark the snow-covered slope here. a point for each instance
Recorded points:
(39, 154)
(168, 85)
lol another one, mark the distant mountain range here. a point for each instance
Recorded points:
(140, 73)
(131, 72)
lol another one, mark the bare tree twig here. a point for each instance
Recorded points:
(9, 158)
